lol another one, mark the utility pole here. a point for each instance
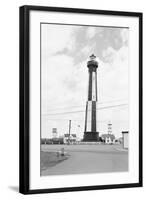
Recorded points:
(69, 131)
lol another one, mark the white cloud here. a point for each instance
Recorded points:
(109, 54)
(54, 71)
(114, 74)
(91, 31)
(112, 85)
(125, 35)
(55, 39)
(87, 50)
(59, 76)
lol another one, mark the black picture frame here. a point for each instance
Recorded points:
(24, 122)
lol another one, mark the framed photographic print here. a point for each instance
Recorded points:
(80, 99)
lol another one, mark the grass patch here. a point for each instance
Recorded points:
(50, 159)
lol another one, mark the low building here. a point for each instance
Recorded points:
(58, 140)
(70, 138)
(46, 141)
(125, 139)
(108, 138)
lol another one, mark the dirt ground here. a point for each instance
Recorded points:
(83, 159)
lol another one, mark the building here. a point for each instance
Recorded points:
(90, 132)
(125, 139)
(58, 140)
(108, 138)
(54, 132)
(69, 138)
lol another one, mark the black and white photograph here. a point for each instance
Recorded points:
(72, 80)
(84, 99)
(80, 99)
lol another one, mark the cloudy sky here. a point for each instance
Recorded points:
(65, 50)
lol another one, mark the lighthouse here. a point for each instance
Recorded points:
(90, 132)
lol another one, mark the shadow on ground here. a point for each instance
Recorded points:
(14, 188)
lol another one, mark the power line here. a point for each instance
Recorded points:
(79, 111)
(99, 103)
(103, 121)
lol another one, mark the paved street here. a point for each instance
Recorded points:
(88, 159)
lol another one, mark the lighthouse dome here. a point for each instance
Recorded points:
(92, 61)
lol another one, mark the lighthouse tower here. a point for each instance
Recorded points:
(90, 132)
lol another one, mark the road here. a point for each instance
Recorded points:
(88, 159)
